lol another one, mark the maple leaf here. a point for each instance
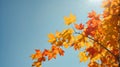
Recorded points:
(55, 49)
(91, 50)
(92, 14)
(51, 37)
(79, 27)
(50, 56)
(83, 57)
(38, 54)
(69, 20)
(61, 52)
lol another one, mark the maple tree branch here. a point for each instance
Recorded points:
(103, 46)
(117, 58)
(100, 45)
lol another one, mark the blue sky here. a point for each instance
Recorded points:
(25, 24)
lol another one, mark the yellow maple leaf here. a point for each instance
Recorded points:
(51, 37)
(66, 33)
(83, 57)
(69, 20)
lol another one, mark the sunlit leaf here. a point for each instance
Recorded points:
(69, 20)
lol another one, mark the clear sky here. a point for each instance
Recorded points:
(24, 25)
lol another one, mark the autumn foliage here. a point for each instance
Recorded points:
(100, 37)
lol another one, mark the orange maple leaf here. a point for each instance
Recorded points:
(79, 26)
(92, 14)
(61, 52)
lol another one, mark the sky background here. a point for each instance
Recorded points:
(25, 24)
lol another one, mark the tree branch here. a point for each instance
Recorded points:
(100, 45)
(103, 47)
